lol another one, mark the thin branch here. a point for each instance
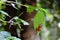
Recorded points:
(20, 14)
(15, 3)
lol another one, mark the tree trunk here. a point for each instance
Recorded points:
(29, 33)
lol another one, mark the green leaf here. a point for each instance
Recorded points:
(2, 5)
(47, 13)
(2, 17)
(38, 5)
(49, 17)
(18, 19)
(39, 19)
(4, 23)
(30, 8)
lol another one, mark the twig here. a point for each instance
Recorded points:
(15, 3)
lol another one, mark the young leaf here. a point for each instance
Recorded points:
(39, 19)
(30, 8)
